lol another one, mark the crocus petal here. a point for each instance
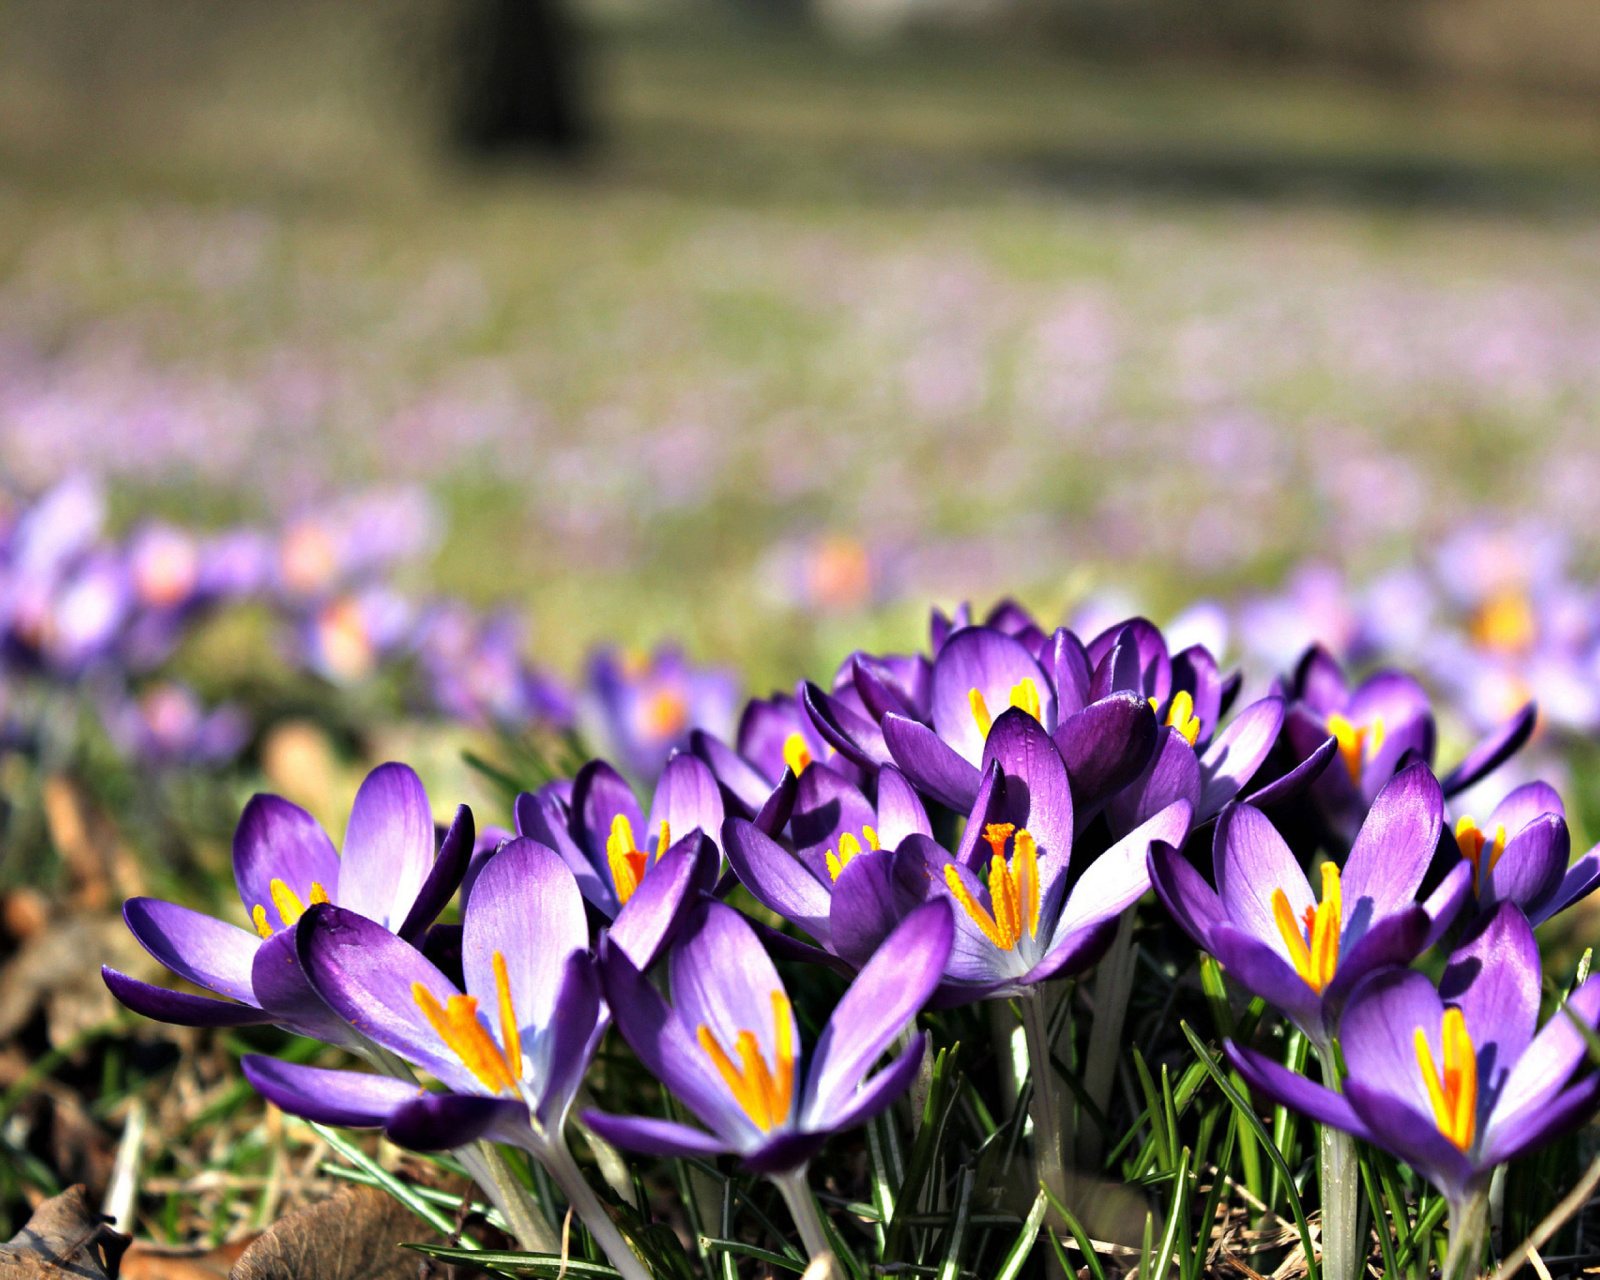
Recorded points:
(209, 953)
(851, 1109)
(993, 663)
(568, 1036)
(1378, 1034)
(774, 814)
(388, 846)
(1067, 663)
(526, 909)
(180, 1007)
(484, 846)
(1297, 779)
(732, 770)
(1319, 681)
(893, 985)
(783, 1152)
(348, 1099)
(1261, 970)
(650, 919)
(900, 809)
(764, 728)
(1232, 760)
(1396, 842)
(1183, 891)
(449, 870)
(283, 990)
(1531, 866)
(921, 866)
(1581, 880)
(366, 975)
(723, 979)
(1074, 951)
(877, 690)
(1252, 861)
(440, 1121)
(1105, 747)
(686, 799)
(1119, 877)
(856, 737)
(987, 807)
(667, 1047)
(1293, 1090)
(1547, 1063)
(1395, 939)
(1393, 696)
(1411, 1133)
(541, 818)
(776, 879)
(1494, 750)
(1523, 804)
(1494, 979)
(1565, 1111)
(655, 1137)
(276, 840)
(863, 908)
(827, 807)
(1194, 671)
(1152, 668)
(932, 765)
(1172, 774)
(1446, 901)
(599, 795)
(1038, 793)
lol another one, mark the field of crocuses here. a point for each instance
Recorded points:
(930, 665)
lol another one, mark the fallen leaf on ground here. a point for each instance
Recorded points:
(63, 1238)
(154, 1262)
(355, 1235)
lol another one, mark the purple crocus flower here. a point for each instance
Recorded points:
(635, 871)
(1022, 926)
(510, 1050)
(1273, 934)
(1520, 855)
(645, 705)
(837, 883)
(168, 724)
(729, 1046)
(1377, 725)
(1453, 1081)
(283, 864)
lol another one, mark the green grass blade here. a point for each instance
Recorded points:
(1091, 1258)
(1177, 1217)
(728, 1248)
(1017, 1256)
(406, 1195)
(526, 1264)
(950, 1265)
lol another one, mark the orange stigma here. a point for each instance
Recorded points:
(1013, 888)
(1314, 952)
(1454, 1091)
(796, 754)
(498, 1070)
(1472, 842)
(765, 1093)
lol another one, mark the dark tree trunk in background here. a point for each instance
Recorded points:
(522, 85)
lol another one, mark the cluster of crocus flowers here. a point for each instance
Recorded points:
(967, 824)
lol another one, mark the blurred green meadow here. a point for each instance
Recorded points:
(817, 334)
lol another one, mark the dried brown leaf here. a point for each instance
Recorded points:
(65, 1239)
(152, 1262)
(355, 1235)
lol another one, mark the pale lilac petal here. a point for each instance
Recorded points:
(776, 879)
(388, 846)
(1239, 750)
(900, 809)
(1493, 751)
(686, 799)
(1119, 877)
(1252, 862)
(1494, 979)
(348, 1099)
(1038, 794)
(1396, 842)
(722, 978)
(1547, 1064)
(1378, 1034)
(1581, 880)
(850, 1109)
(1293, 1090)
(993, 663)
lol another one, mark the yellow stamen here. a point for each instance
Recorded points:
(871, 834)
(290, 908)
(980, 712)
(765, 1095)
(1453, 1092)
(626, 859)
(458, 1026)
(663, 838)
(259, 916)
(1471, 841)
(509, 1035)
(1314, 952)
(795, 753)
(1025, 696)
(1181, 716)
(1356, 745)
(1013, 888)
(318, 893)
(849, 847)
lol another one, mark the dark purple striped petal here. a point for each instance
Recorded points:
(776, 880)
(348, 1099)
(655, 1137)
(931, 765)
(209, 953)
(448, 871)
(180, 1007)
(1493, 751)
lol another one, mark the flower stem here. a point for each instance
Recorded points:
(1469, 1220)
(1045, 1108)
(796, 1192)
(1113, 985)
(488, 1167)
(580, 1195)
(1339, 1179)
